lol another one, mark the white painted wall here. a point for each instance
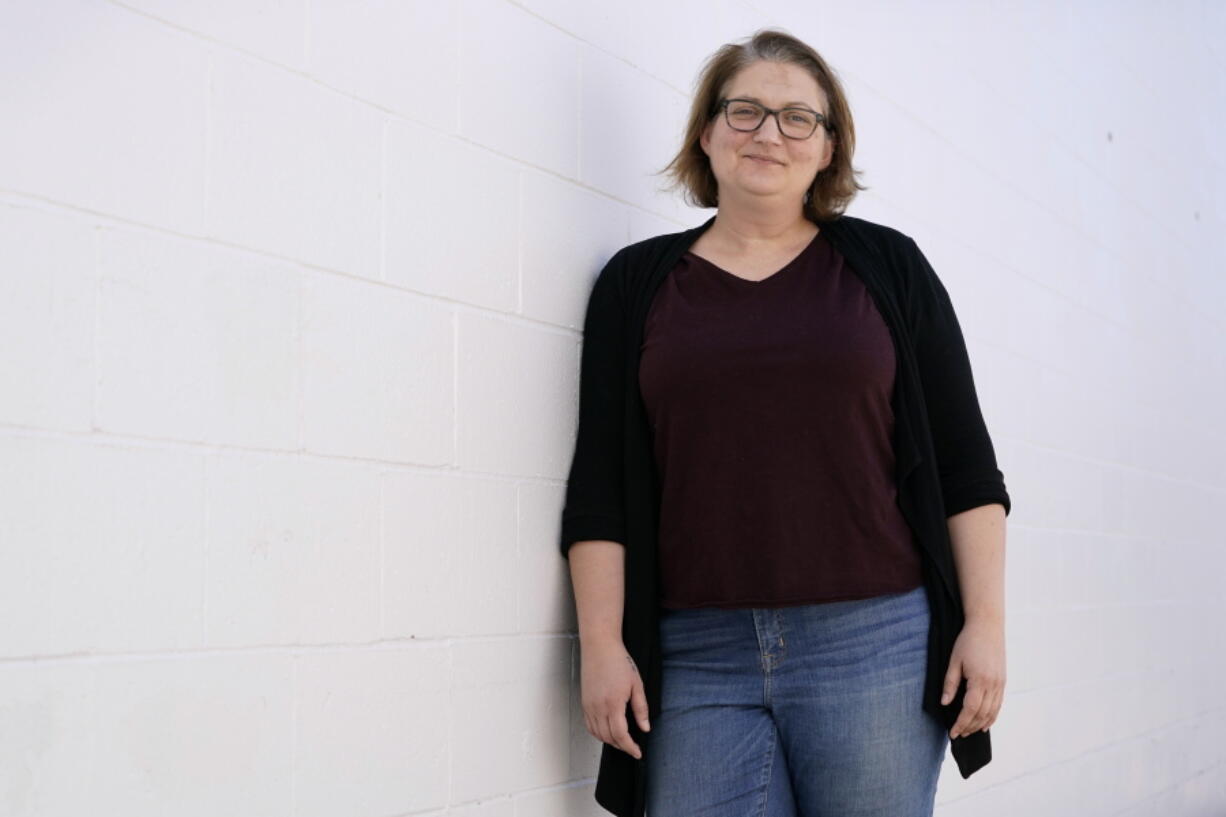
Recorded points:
(290, 307)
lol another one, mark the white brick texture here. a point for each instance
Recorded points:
(291, 308)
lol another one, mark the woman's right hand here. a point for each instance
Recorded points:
(609, 678)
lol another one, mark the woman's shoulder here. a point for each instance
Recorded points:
(664, 242)
(641, 257)
(871, 232)
(894, 253)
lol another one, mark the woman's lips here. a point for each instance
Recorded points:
(760, 160)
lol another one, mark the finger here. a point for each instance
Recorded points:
(985, 713)
(976, 705)
(973, 713)
(985, 710)
(994, 712)
(621, 735)
(602, 729)
(638, 702)
(970, 710)
(953, 677)
(959, 728)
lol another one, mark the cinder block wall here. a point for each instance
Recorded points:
(290, 309)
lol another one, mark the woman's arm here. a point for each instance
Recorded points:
(974, 494)
(597, 571)
(966, 458)
(978, 539)
(593, 530)
(594, 507)
(609, 677)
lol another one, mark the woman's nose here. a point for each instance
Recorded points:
(762, 133)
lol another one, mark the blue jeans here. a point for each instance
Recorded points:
(803, 711)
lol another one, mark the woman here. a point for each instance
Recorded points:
(755, 514)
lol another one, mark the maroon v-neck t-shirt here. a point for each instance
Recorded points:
(770, 408)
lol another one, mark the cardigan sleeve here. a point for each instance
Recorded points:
(594, 505)
(966, 459)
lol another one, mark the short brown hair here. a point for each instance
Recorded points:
(833, 188)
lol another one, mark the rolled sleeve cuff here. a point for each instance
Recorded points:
(587, 526)
(972, 495)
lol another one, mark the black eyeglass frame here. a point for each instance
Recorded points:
(821, 118)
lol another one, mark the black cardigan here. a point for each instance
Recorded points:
(945, 459)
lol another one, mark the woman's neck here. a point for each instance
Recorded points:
(748, 232)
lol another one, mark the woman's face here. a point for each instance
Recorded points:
(790, 164)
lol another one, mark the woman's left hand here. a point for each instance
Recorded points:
(979, 655)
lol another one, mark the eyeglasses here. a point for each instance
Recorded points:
(747, 115)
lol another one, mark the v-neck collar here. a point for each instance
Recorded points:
(754, 283)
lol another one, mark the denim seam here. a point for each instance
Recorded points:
(770, 767)
(783, 647)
